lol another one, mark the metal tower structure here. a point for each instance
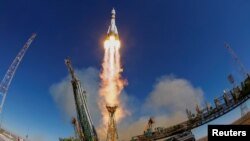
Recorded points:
(243, 107)
(5, 83)
(83, 116)
(236, 59)
(112, 134)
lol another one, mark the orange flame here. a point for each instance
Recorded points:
(111, 82)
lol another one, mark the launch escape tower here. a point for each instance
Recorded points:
(5, 83)
(83, 116)
(112, 134)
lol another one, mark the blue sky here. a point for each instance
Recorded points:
(159, 38)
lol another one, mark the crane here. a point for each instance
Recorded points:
(84, 118)
(236, 59)
(5, 83)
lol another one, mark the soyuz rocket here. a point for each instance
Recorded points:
(112, 30)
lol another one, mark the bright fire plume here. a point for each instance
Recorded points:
(111, 82)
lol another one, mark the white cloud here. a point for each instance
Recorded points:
(62, 94)
(171, 95)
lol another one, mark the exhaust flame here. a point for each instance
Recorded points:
(111, 82)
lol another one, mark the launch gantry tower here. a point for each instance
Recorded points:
(83, 116)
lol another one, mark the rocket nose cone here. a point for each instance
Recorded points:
(113, 11)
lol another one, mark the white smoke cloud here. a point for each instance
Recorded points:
(62, 94)
(171, 95)
(166, 102)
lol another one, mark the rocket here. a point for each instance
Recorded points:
(112, 30)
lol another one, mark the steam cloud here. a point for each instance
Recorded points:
(172, 94)
(166, 102)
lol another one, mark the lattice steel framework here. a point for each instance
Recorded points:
(5, 83)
